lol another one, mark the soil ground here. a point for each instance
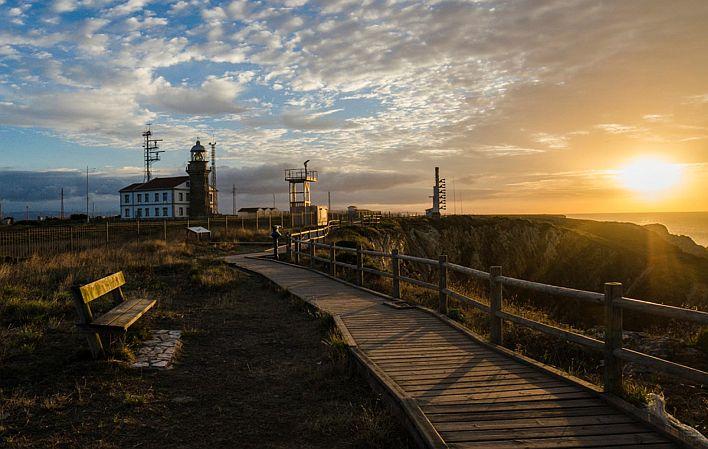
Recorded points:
(257, 370)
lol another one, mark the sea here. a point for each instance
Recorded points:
(692, 224)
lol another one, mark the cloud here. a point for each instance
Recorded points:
(406, 84)
(35, 186)
(214, 96)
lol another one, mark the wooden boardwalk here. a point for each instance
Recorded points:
(465, 394)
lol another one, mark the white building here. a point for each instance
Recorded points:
(157, 198)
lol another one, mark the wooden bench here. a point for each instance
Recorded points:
(114, 322)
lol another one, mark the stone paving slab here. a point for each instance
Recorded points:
(159, 351)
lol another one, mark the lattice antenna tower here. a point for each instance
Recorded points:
(152, 152)
(442, 194)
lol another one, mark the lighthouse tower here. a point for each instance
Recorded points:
(199, 202)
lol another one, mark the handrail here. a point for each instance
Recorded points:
(583, 295)
(663, 310)
(466, 270)
(612, 300)
(417, 259)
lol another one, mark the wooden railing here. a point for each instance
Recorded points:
(612, 300)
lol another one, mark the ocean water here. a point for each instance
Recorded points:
(692, 224)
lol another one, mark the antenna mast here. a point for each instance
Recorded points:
(212, 144)
(151, 152)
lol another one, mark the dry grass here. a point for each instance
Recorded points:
(239, 338)
(686, 401)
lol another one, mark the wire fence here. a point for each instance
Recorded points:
(55, 237)
(19, 242)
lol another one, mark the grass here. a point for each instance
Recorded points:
(687, 401)
(256, 369)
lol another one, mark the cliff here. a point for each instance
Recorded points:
(574, 253)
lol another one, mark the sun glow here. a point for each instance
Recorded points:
(650, 176)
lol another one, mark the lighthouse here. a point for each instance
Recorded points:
(198, 171)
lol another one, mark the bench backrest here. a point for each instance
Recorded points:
(98, 288)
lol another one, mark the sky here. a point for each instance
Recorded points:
(526, 106)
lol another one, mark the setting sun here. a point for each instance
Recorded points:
(650, 175)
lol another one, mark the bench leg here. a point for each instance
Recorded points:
(94, 342)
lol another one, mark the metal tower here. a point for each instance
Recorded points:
(151, 152)
(299, 197)
(439, 196)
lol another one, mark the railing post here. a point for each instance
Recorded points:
(359, 266)
(495, 305)
(613, 338)
(442, 287)
(288, 248)
(396, 272)
(311, 249)
(332, 260)
(298, 249)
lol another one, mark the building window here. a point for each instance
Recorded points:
(164, 211)
(187, 211)
(157, 197)
(188, 197)
(127, 198)
(181, 210)
(164, 197)
(181, 197)
(157, 211)
(140, 213)
(140, 197)
(127, 213)
(147, 211)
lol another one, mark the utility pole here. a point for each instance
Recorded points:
(61, 212)
(87, 195)
(329, 200)
(274, 200)
(233, 199)
(27, 212)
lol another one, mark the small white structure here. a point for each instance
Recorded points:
(158, 198)
(252, 212)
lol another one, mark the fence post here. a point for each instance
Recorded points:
(164, 229)
(442, 268)
(106, 232)
(226, 223)
(613, 338)
(359, 266)
(29, 244)
(495, 304)
(332, 260)
(396, 272)
(311, 249)
(71, 239)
